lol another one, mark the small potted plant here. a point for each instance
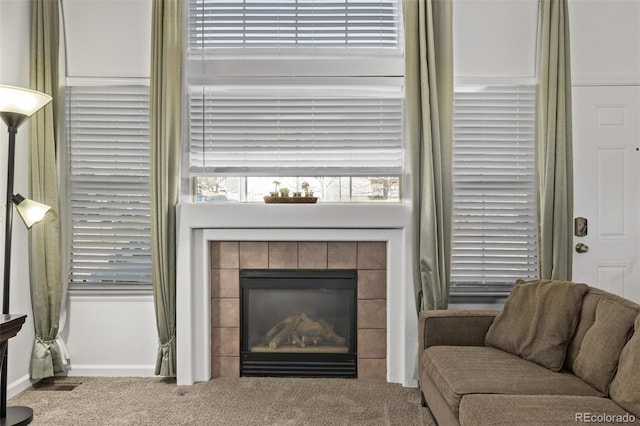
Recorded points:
(284, 192)
(274, 194)
(305, 188)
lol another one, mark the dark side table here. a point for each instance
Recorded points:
(10, 325)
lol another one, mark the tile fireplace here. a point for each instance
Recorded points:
(363, 262)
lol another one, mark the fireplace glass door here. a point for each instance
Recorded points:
(298, 323)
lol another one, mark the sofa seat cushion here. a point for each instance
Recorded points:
(508, 410)
(461, 370)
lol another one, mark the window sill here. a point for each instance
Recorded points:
(477, 298)
(102, 290)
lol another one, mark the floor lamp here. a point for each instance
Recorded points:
(16, 106)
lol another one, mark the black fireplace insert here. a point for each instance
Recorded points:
(298, 323)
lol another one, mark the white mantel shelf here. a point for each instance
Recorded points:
(321, 215)
(199, 224)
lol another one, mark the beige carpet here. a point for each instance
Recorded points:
(246, 401)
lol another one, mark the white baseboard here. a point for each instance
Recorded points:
(24, 382)
(15, 387)
(413, 383)
(89, 370)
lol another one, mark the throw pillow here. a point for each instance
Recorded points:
(625, 388)
(538, 320)
(611, 321)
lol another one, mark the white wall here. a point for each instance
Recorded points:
(494, 38)
(108, 38)
(111, 333)
(605, 41)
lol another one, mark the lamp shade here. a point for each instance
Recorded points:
(30, 211)
(18, 104)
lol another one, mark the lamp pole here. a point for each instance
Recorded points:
(13, 415)
(7, 261)
(8, 220)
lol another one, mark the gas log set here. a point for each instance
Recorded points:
(301, 332)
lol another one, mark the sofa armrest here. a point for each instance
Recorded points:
(454, 327)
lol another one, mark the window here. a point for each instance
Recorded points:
(495, 233)
(339, 139)
(108, 197)
(327, 118)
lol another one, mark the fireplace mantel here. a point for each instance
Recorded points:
(198, 224)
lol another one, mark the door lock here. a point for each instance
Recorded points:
(582, 248)
(580, 228)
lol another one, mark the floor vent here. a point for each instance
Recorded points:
(53, 384)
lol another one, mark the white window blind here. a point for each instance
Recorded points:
(291, 130)
(494, 225)
(108, 136)
(293, 24)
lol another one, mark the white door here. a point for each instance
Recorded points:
(606, 141)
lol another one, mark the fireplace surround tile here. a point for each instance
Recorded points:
(225, 341)
(225, 255)
(283, 255)
(372, 285)
(214, 254)
(369, 313)
(372, 255)
(372, 343)
(225, 283)
(312, 255)
(225, 367)
(254, 255)
(372, 369)
(225, 312)
(216, 283)
(342, 255)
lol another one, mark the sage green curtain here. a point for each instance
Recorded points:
(429, 102)
(554, 144)
(165, 130)
(47, 289)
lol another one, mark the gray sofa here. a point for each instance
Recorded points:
(559, 353)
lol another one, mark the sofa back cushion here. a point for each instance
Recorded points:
(625, 387)
(604, 327)
(538, 321)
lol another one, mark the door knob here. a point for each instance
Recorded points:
(582, 248)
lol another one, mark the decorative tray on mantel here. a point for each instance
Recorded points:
(290, 200)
